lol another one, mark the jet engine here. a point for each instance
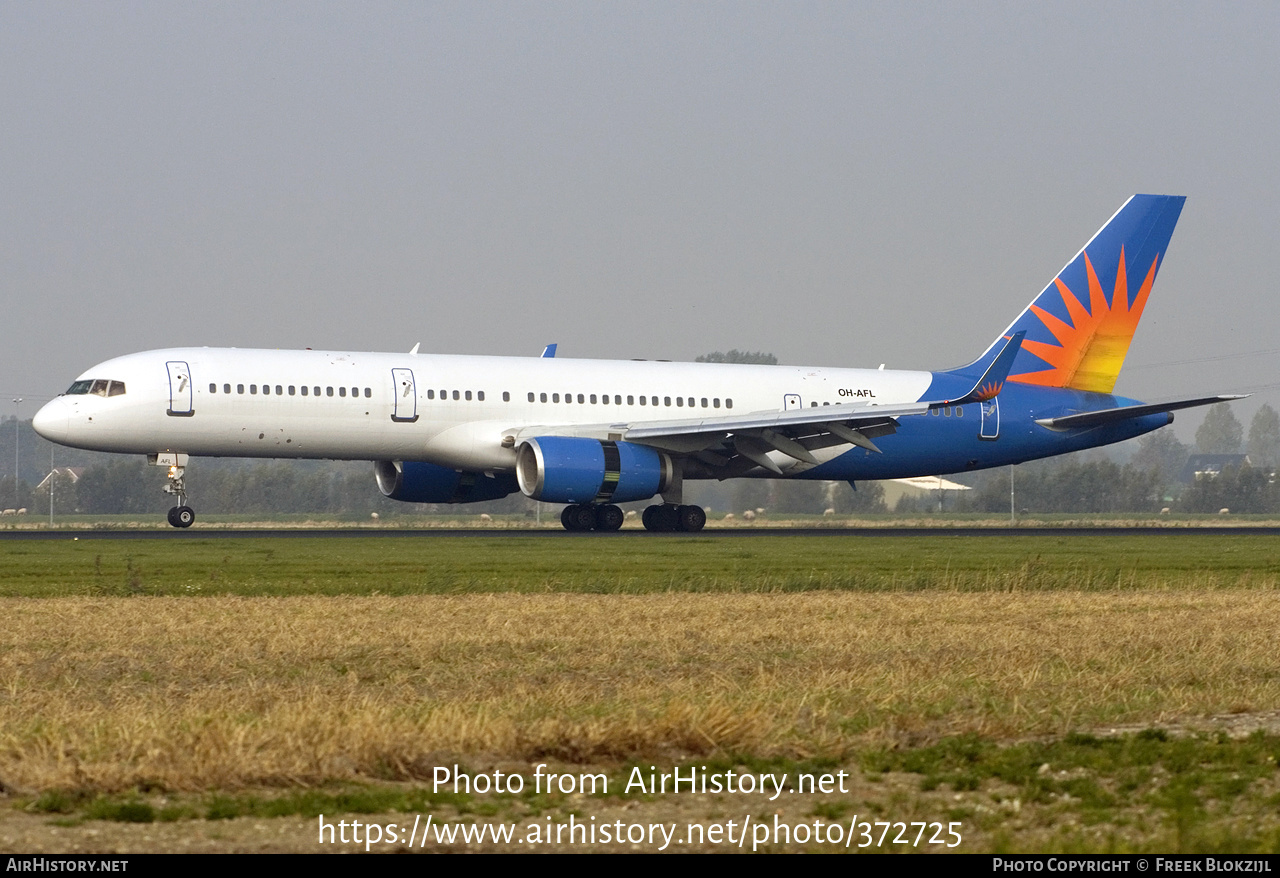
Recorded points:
(564, 469)
(419, 482)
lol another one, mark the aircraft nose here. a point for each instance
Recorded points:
(52, 421)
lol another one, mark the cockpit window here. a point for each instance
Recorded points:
(98, 387)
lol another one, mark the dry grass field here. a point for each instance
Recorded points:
(221, 693)
(132, 685)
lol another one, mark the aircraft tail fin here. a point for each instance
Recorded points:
(1079, 328)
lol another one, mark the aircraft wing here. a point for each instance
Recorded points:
(1124, 413)
(752, 435)
(748, 438)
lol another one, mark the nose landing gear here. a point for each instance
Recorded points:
(181, 515)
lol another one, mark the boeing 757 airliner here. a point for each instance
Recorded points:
(595, 433)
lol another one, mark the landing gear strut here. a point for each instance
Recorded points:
(669, 517)
(585, 516)
(181, 515)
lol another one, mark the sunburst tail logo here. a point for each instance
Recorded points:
(1080, 327)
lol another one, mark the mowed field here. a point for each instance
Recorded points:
(1097, 693)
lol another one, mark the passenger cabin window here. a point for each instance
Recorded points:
(279, 390)
(253, 389)
(226, 388)
(239, 388)
(328, 391)
(293, 389)
(342, 391)
(213, 388)
(305, 389)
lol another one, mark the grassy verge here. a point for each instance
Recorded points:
(1141, 792)
(652, 564)
(986, 680)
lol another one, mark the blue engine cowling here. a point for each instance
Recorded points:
(417, 482)
(563, 469)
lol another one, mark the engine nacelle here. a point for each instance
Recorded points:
(417, 482)
(565, 469)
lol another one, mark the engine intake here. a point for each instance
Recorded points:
(418, 482)
(564, 469)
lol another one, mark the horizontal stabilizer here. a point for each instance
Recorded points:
(993, 378)
(1124, 413)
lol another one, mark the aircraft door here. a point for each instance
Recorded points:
(990, 419)
(791, 402)
(405, 410)
(180, 390)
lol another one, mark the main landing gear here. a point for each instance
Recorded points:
(586, 516)
(661, 517)
(669, 517)
(181, 515)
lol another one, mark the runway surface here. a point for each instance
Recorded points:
(713, 533)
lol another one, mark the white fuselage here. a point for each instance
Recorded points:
(454, 411)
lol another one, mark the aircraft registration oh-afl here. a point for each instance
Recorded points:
(595, 433)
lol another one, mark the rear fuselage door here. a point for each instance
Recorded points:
(990, 419)
(180, 390)
(405, 410)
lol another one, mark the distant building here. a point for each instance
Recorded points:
(919, 486)
(73, 473)
(1209, 466)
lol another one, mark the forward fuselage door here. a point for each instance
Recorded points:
(990, 419)
(180, 390)
(405, 410)
(791, 402)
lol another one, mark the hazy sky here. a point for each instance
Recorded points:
(840, 184)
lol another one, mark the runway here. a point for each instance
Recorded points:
(712, 533)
